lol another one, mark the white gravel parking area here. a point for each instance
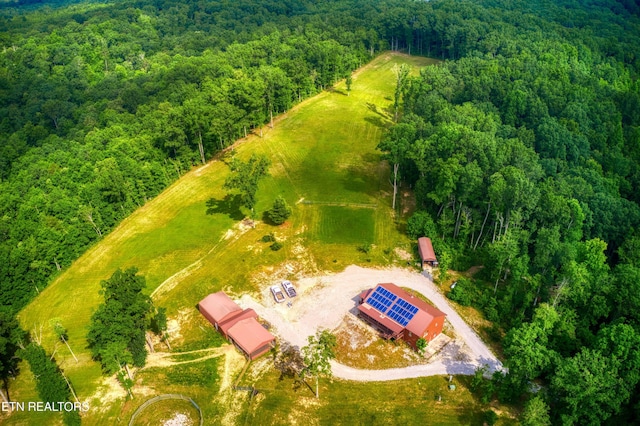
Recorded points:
(322, 302)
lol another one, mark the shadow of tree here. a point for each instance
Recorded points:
(379, 121)
(229, 205)
(374, 108)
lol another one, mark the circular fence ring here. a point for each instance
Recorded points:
(163, 398)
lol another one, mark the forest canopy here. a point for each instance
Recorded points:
(522, 148)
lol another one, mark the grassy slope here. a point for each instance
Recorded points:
(322, 151)
(401, 402)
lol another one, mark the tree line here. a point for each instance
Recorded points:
(521, 148)
(102, 106)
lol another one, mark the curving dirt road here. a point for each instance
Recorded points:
(324, 301)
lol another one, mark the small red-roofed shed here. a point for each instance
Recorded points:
(250, 336)
(427, 255)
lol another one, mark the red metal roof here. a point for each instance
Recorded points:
(219, 307)
(250, 335)
(228, 323)
(420, 321)
(369, 311)
(426, 250)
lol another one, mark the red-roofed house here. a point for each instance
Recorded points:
(399, 315)
(239, 326)
(427, 255)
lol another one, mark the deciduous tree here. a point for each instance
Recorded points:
(317, 354)
(245, 176)
(117, 333)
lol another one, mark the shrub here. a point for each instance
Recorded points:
(365, 248)
(462, 292)
(279, 212)
(422, 344)
(275, 246)
(269, 238)
(490, 417)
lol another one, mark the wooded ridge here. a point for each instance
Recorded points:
(522, 148)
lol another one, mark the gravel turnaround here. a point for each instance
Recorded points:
(323, 302)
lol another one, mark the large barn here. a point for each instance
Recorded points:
(399, 315)
(240, 326)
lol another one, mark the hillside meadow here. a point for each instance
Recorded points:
(192, 240)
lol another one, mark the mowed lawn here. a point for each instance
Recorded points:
(423, 401)
(188, 241)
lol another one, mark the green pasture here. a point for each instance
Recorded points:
(342, 224)
(423, 401)
(188, 241)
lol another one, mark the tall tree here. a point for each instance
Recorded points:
(10, 337)
(197, 116)
(317, 354)
(587, 388)
(117, 333)
(402, 74)
(536, 413)
(245, 176)
(280, 211)
(527, 348)
(51, 384)
(395, 145)
(61, 331)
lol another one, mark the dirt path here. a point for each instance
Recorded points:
(166, 359)
(324, 301)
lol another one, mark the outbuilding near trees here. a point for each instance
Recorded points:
(239, 326)
(427, 254)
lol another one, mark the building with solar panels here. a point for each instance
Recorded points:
(398, 315)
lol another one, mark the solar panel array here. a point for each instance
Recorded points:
(383, 301)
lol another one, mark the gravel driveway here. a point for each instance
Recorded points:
(322, 302)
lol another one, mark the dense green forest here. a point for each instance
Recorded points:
(523, 150)
(103, 105)
(522, 147)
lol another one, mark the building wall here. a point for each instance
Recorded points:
(258, 352)
(432, 331)
(208, 317)
(411, 339)
(434, 328)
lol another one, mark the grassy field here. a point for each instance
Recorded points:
(425, 401)
(330, 222)
(189, 241)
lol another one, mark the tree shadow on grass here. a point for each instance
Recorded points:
(334, 90)
(378, 121)
(229, 205)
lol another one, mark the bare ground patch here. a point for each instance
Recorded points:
(230, 401)
(108, 392)
(403, 254)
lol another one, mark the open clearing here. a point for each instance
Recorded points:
(322, 302)
(189, 242)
